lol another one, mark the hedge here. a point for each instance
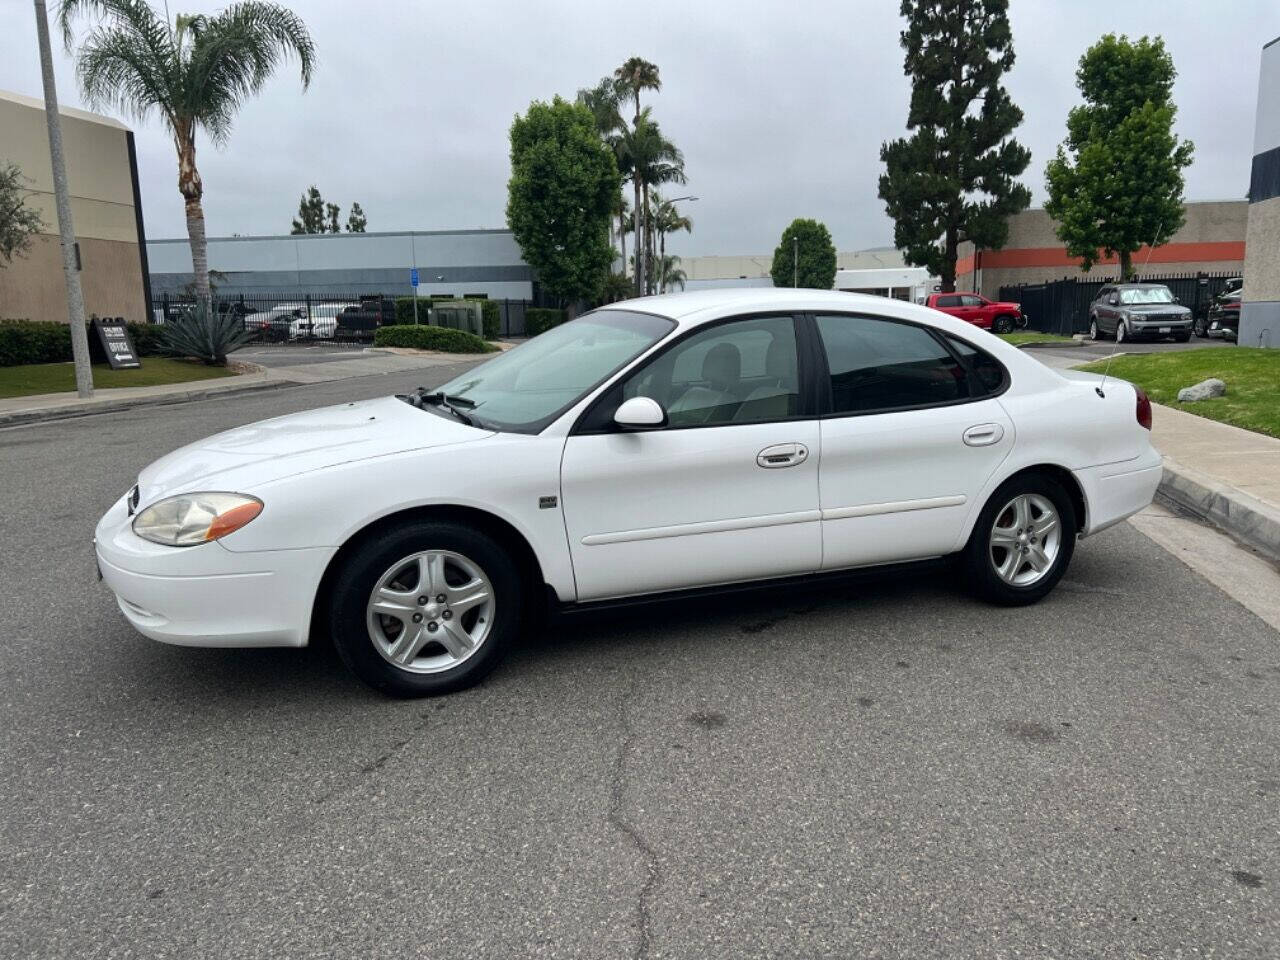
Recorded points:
(541, 319)
(492, 319)
(492, 312)
(423, 337)
(34, 341)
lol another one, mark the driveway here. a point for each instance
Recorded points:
(873, 768)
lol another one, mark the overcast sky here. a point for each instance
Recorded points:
(780, 107)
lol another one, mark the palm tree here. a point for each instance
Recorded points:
(604, 100)
(667, 219)
(196, 74)
(630, 79)
(672, 273)
(652, 160)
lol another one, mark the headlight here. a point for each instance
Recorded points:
(193, 518)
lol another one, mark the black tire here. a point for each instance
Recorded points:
(1122, 333)
(976, 558)
(1003, 324)
(1183, 337)
(1095, 331)
(1199, 326)
(366, 564)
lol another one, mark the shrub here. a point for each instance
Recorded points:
(35, 341)
(492, 319)
(541, 319)
(423, 337)
(404, 310)
(205, 334)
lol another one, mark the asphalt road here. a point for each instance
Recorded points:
(878, 769)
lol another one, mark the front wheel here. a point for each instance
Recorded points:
(1022, 542)
(1094, 332)
(1122, 332)
(1003, 324)
(427, 609)
(1198, 327)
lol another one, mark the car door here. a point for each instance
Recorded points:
(726, 491)
(950, 304)
(912, 435)
(975, 310)
(1104, 311)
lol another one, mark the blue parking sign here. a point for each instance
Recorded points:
(413, 276)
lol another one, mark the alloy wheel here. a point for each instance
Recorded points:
(430, 611)
(1025, 539)
(1121, 332)
(1093, 329)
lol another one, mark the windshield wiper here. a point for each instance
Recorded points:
(441, 399)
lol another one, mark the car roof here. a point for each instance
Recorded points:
(1145, 283)
(700, 306)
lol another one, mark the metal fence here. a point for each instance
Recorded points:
(1062, 306)
(324, 319)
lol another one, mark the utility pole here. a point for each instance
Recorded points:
(70, 268)
(795, 261)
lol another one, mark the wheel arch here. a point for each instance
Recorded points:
(494, 526)
(1063, 476)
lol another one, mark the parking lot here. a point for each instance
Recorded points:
(875, 768)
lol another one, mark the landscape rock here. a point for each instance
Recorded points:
(1213, 387)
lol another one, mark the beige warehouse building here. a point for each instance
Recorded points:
(102, 175)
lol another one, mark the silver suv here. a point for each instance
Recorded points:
(1134, 311)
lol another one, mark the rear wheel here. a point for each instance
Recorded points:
(1022, 542)
(1198, 326)
(427, 609)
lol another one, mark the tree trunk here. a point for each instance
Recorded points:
(635, 222)
(62, 200)
(947, 274)
(192, 189)
(1126, 265)
(622, 240)
(662, 261)
(648, 245)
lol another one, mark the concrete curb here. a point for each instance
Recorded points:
(71, 411)
(1249, 520)
(1060, 345)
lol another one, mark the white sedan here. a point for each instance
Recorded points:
(676, 443)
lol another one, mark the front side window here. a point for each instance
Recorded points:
(1146, 295)
(969, 300)
(744, 371)
(883, 365)
(526, 388)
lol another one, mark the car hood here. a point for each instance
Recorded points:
(1164, 309)
(241, 459)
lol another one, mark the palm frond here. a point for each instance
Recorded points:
(127, 61)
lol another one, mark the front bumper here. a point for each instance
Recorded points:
(208, 596)
(1159, 328)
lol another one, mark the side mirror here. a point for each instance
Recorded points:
(640, 413)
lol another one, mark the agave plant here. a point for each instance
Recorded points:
(204, 333)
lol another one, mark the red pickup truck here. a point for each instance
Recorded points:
(981, 312)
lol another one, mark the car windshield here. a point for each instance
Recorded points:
(527, 387)
(1146, 295)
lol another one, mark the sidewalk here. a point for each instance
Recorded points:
(60, 406)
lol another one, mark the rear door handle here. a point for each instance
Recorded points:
(984, 434)
(782, 455)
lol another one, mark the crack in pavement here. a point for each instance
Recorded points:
(629, 830)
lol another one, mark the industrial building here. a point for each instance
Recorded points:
(1212, 240)
(458, 263)
(881, 271)
(1260, 302)
(102, 174)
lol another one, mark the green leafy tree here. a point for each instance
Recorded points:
(667, 218)
(310, 218)
(805, 257)
(954, 178)
(356, 221)
(561, 198)
(1116, 181)
(18, 222)
(195, 73)
(331, 214)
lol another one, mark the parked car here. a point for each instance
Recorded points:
(994, 315)
(1136, 311)
(358, 323)
(320, 322)
(1223, 322)
(275, 325)
(684, 442)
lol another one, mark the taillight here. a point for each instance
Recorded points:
(1144, 408)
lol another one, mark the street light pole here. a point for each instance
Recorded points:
(67, 230)
(662, 280)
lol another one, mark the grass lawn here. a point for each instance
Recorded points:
(34, 378)
(1252, 376)
(1018, 339)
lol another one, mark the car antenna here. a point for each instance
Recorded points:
(1107, 369)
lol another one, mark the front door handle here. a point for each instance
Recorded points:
(984, 435)
(782, 455)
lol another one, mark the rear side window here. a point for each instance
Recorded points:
(948, 302)
(985, 367)
(883, 365)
